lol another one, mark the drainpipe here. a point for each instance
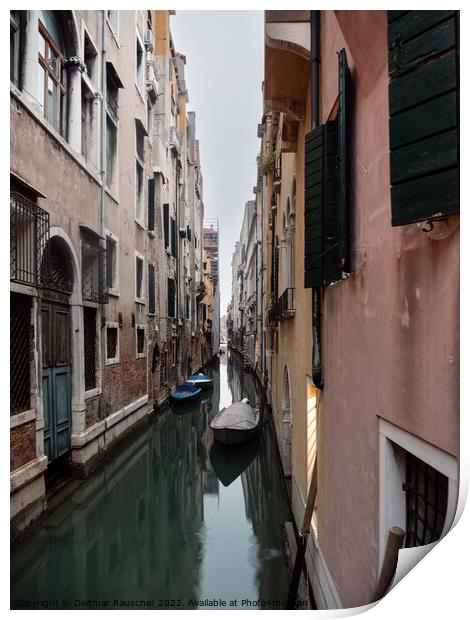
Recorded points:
(103, 155)
(317, 375)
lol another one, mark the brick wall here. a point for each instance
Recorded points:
(22, 444)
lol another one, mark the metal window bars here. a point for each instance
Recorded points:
(426, 492)
(29, 237)
(89, 338)
(94, 273)
(21, 343)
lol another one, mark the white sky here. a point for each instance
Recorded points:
(224, 73)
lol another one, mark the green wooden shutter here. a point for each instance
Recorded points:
(166, 224)
(423, 105)
(321, 206)
(343, 163)
(151, 204)
(151, 286)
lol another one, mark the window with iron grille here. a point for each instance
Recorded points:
(151, 204)
(111, 265)
(112, 344)
(140, 337)
(29, 237)
(426, 491)
(90, 349)
(93, 273)
(21, 343)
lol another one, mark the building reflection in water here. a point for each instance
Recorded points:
(143, 526)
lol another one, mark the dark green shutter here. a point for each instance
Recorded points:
(343, 162)
(151, 285)
(321, 206)
(423, 104)
(166, 224)
(151, 204)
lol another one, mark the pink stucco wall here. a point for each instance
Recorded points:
(390, 331)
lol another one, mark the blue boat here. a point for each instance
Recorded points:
(185, 392)
(200, 380)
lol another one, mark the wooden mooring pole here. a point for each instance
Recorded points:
(394, 542)
(303, 540)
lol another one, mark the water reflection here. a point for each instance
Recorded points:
(174, 518)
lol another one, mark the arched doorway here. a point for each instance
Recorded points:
(58, 281)
(287, 426)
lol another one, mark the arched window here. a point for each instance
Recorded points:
(52, 74)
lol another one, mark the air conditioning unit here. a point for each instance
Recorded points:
(149, 40)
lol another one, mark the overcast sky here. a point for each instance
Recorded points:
(224, 72)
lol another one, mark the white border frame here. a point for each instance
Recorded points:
(144, 353)
(112, 360)
(114, 291)
(139, 300)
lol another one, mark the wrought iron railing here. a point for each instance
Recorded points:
(94, 273)
(283, 308)
(29, 236)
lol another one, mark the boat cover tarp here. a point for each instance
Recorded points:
(239, 416)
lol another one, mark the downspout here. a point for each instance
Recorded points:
(317, 375)
(103, 154)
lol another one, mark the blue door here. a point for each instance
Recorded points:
(56, 379)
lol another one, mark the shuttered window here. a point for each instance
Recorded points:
(173, 237)
(151, 291)
(327, 193)
(423, 104)
(151, 204)
(166, 224)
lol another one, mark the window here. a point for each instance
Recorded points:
(113, 84)
(15, 46)
(327, 194)
(139, 65)
(171, 298)
(113, 21)
(21, 342)
(88, 124)
(187, 307)
(151, 204)
(93, 272)
(166, 224)
(111, 152)
(112, 283)
(90, 348)
(424, 115)
(139, 192)
(52, 73)
(418, 487)
(112, 343)
(140, 340)
(91, 57)
(139, 279)
(151, 289)
(173, 236)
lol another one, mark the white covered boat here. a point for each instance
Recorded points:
(235, 424)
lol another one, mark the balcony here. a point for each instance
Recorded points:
(284, 308)
(29, 237)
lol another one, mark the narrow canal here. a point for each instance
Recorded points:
(174, 520)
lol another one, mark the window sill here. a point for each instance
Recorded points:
(139, 223)
(23, 417)
(140, 92)
(140, 356)
(151, 233)
(140, 300)
(115, 35)
(92, 393)
(112, 361)
(114, 292)
(112, 195)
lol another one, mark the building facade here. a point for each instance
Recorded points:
(359, 156)
(106, 226)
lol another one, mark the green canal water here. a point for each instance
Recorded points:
(173, 521)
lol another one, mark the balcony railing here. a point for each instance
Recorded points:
(29, 236)
(277, 175)
(284, 307)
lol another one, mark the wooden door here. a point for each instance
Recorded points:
(56, 378)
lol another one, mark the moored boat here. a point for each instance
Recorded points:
(185, 392)
(200, 381)
(235, 424)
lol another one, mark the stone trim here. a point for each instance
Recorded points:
(23, 475)
(22, 418)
